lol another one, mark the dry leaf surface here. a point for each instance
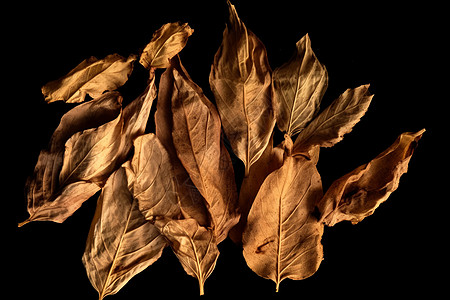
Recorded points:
(165, 44)
(282, 237)
(121, 242)
(240, 79)
(299, 86)
(356, 195)
(91, 77)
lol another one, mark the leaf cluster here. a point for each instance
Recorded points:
(176, 186)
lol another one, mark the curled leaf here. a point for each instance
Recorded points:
(91, 77)
(150, 176)
(166, 42)
(121, 242)
(356, 195)
(197, 139)
(88, 157)
(240, 79)
(298, 87)
(282, 237)
(336, 120)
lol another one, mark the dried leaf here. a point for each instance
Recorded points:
(91, 77)
(298, 87)
(270, 160)
(282, 237)
(150, 177)
(166, 42)
(336, 120)
(195, 247)
(90, 156)
(121, 243)
(240, 79)
(356, 195)
(192, 203)
(197, 140)
(46, 197)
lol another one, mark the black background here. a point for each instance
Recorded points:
(398, 251)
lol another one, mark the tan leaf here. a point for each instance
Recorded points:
(91, 77)
(336, 120)
(121, 243)
(151, 179)
(195, 247)
(46, 197)
(282, 237)
(166, 42)
(197, 140)
(192, 203)
(356, 195)
(240, 79)
(298, 87)
(270, 160)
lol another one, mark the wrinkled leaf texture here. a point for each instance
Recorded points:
(240, 79)
(91, 77)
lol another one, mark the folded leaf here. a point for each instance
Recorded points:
(92, 76)
(121, 243)
(336, 120)
(44, 188)
(282, 237)
(195, 247)
(298, 87)
(192, 203)
(150, 178)
(240, 79)
(166, 42)
(197, 140)
(90, 156)
(356, 195)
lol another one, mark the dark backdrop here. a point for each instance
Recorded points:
(393, 252)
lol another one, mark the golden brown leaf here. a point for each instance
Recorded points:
(121, 242)
(298, 87)
(270, 160)
(336, 120)
(90, 156)
(191, 201)
(195, 247)
(91, 77)
(150, 179)
(165, 44)
(282, 237)
(240, 79)
(197, 139)
(356, 195)
(46, 197)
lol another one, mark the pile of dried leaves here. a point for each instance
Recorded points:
(176, 187)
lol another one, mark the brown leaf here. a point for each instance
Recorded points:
(90, 156)
(195, 247)
(150, 178)
(336, 120)
(121, 243)
(166, 42)
(191, 201)
(356, 195)
(298, 87)
(270, 160)
(197, 140)
(282, 237)
(91, 77)
(240, 79)
(43, 188)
